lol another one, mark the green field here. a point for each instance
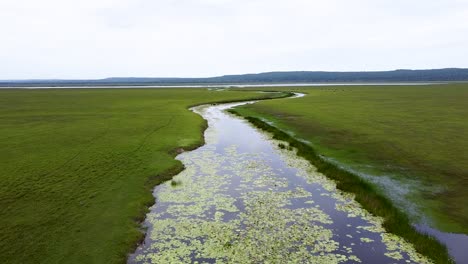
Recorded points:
(417, 135)
(78, 166)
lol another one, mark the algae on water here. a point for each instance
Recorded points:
(263, 206)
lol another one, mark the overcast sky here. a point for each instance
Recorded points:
(167, 38)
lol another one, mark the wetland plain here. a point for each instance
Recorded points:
(89, 158)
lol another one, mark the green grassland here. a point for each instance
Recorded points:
(78, 165)
(418, 134)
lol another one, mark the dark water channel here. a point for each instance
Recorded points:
(245, 199)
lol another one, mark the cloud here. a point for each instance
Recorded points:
(100, 38)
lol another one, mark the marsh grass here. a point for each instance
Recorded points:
(78, 166)
(395, 221)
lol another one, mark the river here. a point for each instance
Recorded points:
(246, 198)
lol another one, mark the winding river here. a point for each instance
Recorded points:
(246, 198)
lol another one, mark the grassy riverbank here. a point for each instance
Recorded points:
(416, 136)
(78, 166)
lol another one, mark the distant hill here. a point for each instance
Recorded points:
(435, 75)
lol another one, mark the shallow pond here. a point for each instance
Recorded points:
(245, 198)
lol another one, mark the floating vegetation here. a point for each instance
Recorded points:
(175, 183)
(366, 240)
(259, 204)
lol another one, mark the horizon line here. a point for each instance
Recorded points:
(225, 75)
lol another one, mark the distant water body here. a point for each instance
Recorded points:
(226, 85)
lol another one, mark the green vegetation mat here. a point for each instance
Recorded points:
(78, 166)
(416, 135)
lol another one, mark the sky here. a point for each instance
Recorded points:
(85, 39)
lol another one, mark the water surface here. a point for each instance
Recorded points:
(215, 86)
(245, 198)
